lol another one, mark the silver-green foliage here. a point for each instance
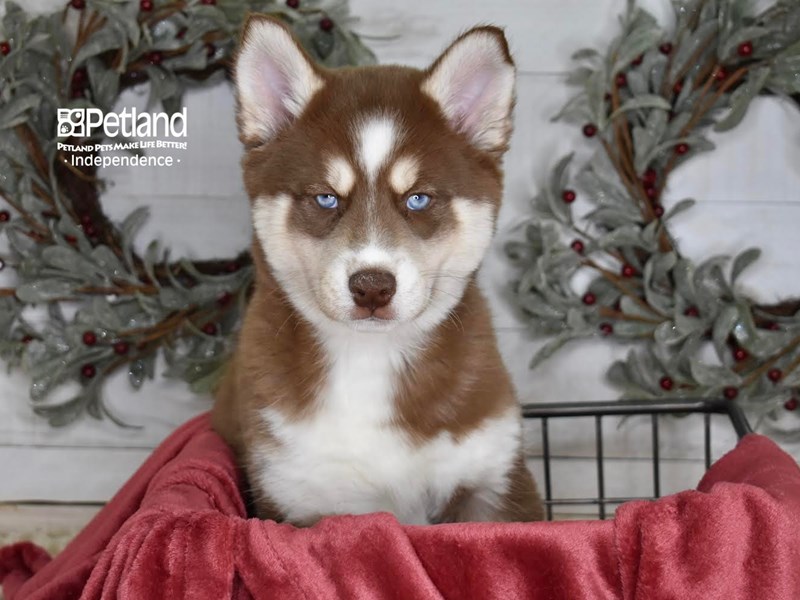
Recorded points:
(687, 321)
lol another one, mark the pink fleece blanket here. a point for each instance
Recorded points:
(178, 529)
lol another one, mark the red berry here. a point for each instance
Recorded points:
(665, 48)
(590, 130)
(79, 77)
(5, 48)
(181, 33)
(71, 239)
(637, 61)
(658, 210)
(773, 326)
(682, 148)
(293, 3)
(720, 74)
(740, 354)
(5, 216)
(568, 196)
(730, 392)
(146, 5)
(155, 57)
(208, 2)
(621, 80)
(650, 177)
(589, 298)
(78, 4)
(90, 230)
(326, 24)
(692, 311)
(606, 328)
(745, 49)
(121, 348)
(88, 371)
(210, 329)
(577, 246)
(790, 404)
(774, 375)
(628, 271)
(677, 87)
(666, 383)
(26, 338)
(232, 267)
(89, 338)
(651, 192)
(210, 50)
(225, 299)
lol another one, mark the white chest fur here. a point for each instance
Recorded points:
(348, 458)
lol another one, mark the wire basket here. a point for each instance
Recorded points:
(654, 408)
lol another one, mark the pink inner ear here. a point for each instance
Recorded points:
(273, 88)
(469, 98)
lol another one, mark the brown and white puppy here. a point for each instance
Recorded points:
(367, 376)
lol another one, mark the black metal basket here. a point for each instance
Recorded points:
(598, 410)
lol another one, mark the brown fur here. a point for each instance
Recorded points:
(458, 381)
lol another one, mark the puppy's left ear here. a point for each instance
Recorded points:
(473, 83)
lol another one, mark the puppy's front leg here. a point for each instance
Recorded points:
(520, 501)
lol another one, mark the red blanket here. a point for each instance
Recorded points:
(177, 529)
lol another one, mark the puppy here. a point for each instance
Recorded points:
(367, 376)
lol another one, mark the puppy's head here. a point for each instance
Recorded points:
(374, 189)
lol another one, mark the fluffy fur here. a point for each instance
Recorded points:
(335, 406)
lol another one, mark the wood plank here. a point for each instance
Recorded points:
(64, 474)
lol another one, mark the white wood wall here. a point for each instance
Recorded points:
(747, 191)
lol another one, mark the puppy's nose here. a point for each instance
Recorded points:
(372, 289)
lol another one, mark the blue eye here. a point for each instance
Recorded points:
(327, 200)
(418, 201)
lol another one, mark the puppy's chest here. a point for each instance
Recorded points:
(349, 456)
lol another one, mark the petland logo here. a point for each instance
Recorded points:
(82, 122)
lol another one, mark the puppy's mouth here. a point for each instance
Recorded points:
(380, 314)
(373, 323)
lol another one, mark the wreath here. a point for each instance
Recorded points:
(107, 306)
(646, 106)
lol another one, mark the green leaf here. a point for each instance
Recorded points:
(723, 326)
(690, 43)
(668, 334)
(576, 110)
(45, 290)
(108, 38)
(742, 97)
(550, 348)
(71, 263)
(634, 329)
(712, 375)
(640, 102)
(625, 235)
(558, 178)
(742, 261)
(678, 208)
(16, 111)
(60, 415)
(585, 54)
(638, 42)
(727, 48)
(102, 311)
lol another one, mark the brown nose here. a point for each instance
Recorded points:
(372, 289)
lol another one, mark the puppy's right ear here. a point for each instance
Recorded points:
(275, 79)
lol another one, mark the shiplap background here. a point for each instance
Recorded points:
(747, 192)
